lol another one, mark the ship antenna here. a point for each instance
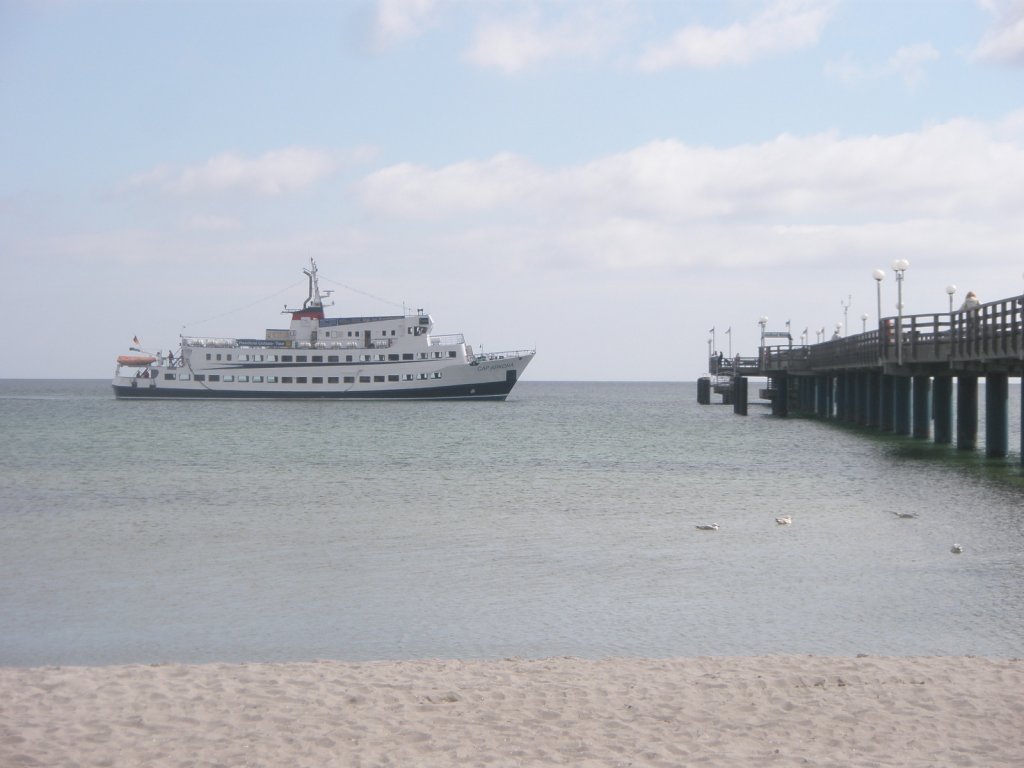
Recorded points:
(314, 287)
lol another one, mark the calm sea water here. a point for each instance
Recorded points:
(561, 522)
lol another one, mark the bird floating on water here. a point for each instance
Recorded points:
(784, 520)
(905, 515)
(707, 527)
(956, 549)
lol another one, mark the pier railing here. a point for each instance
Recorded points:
(990, 336)
(997, 330)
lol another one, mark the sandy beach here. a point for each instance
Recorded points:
(779, 710)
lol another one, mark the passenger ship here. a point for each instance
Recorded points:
(359, 358)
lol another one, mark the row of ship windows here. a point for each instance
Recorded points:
(213, 377)
(411, 330)
(362, 333)
(392, 357)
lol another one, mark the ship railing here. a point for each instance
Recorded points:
(208, 341)
(337, 345)
(451, 338)
(514, 353)
(200, 341)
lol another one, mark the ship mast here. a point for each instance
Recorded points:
(314, 287)
(313, 306)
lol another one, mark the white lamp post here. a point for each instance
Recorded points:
(951, 289)
(900, 267)
(879, 276)
(846, 313)
(864, 323)
(762, 322)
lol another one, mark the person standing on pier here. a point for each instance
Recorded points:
(970, 301)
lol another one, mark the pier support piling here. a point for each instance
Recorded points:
(997, 424)
(780, 402)
(966, 412)
(739, 395)
(901, 405)
(843, 396)
(922, 407)
(851, 397)
(942, 403)
(806, 395)
(887, 421)
(821, 395)
(704, 390)
(863, 398)
(874, 402)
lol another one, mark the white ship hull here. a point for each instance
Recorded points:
(490, 379)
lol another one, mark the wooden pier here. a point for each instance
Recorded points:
(898, 378)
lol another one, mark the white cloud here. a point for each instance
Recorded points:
(1004, 41)
(792, 199)
(784, 25)
(212, 224)
(944, 165)
(396, 21)
(515, 37)
(413, 191)
(908, 64)
(272, 173)
(514, 45)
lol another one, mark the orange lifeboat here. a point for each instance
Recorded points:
(136, 360)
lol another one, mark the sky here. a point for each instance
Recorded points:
(604, 181)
